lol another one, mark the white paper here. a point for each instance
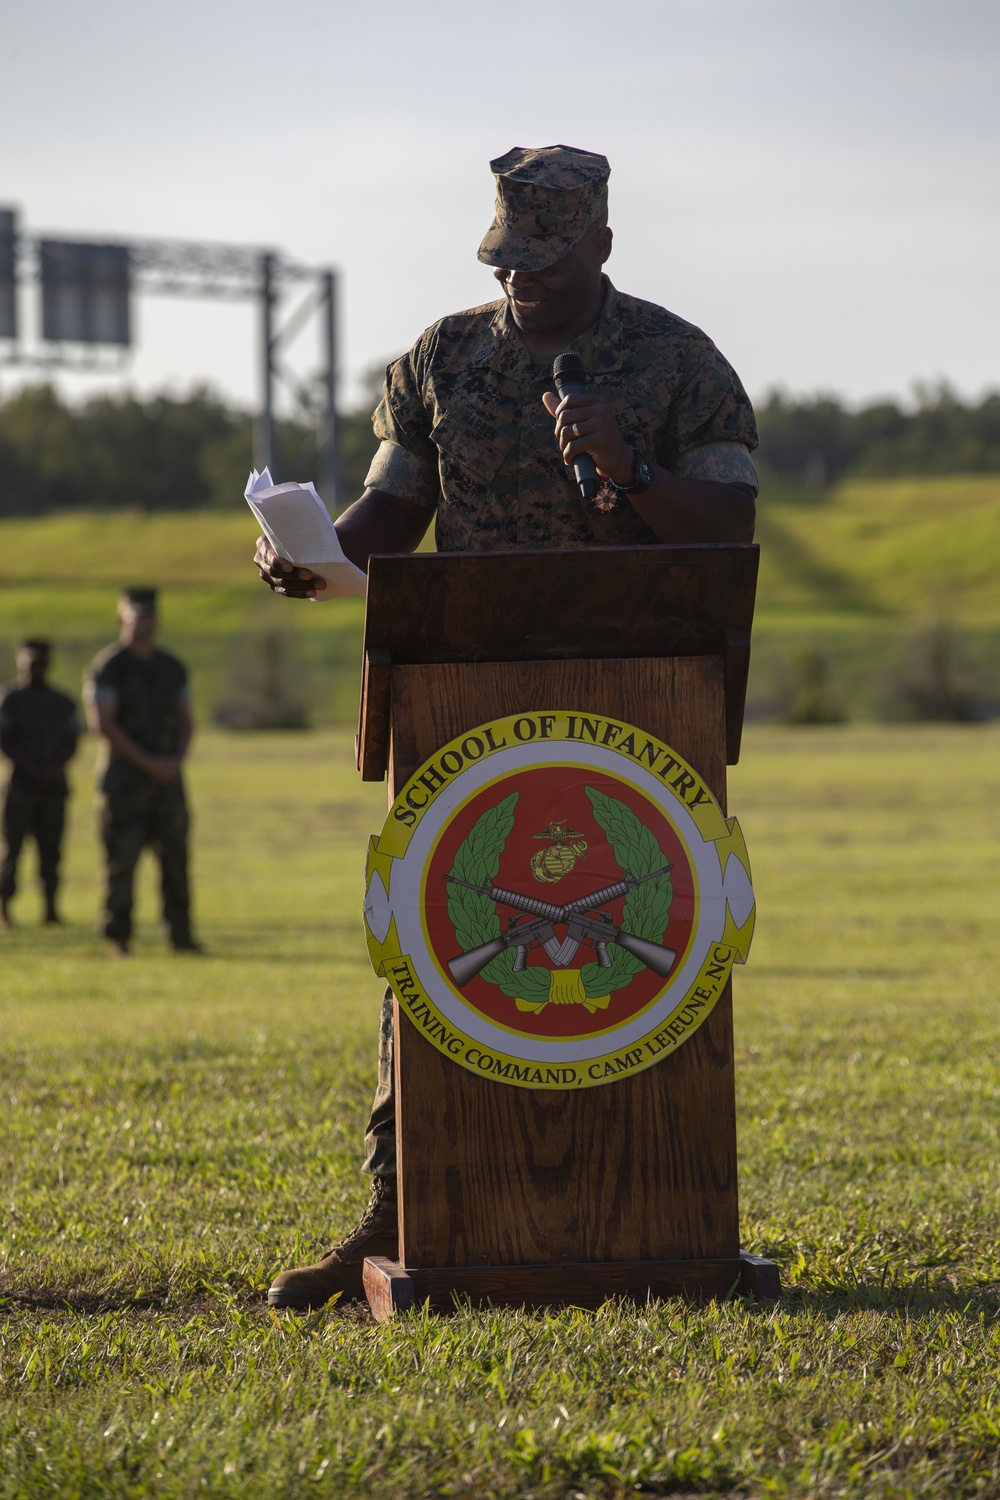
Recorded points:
(298, 526)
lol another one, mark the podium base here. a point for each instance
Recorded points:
(392, 1288)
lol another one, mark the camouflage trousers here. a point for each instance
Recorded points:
(380, 1136)
(32, 812)
(131, 820)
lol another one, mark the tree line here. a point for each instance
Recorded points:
(164, 452)
(818, 440)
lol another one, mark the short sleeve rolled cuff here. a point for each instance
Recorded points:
(95, 691)
(406, 463)
(726, 463)
(409, 476)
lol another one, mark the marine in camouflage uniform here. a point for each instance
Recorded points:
(473, 436)
(39, 727)
(464, 431)
(138, 699)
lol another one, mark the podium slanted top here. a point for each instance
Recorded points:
(544, 604)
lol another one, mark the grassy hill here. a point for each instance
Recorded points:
(846, 573)
(895, 548)
(59, 576)
(875, 582)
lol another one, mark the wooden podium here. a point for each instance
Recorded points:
(527, 1197)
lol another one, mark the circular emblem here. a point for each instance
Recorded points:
(557, 900)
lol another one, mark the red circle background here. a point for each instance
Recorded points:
(558, 794)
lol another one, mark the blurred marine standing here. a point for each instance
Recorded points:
(39, 727)
(138, 700)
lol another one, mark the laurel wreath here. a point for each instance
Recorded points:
(646, 912)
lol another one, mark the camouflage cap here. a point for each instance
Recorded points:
(547, 199)
(144, 599)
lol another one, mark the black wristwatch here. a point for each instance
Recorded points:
(642, 475)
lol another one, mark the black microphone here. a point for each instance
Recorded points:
(571, 380)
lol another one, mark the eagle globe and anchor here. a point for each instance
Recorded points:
(571, 987)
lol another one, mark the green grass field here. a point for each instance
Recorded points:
(175, 1129)
(848, 572)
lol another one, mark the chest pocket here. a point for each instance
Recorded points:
(465, 437)
(473, 448)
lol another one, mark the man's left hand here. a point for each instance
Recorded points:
(587, 424)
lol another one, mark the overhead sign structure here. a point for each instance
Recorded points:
(85, 292)
(86, 311)
(8, 274)
(557, 900)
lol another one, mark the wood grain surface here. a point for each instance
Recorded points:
(372, 743)
(392, 1289)
(641, 1169)
(387, 1287)
(760, 1277)
(585, 604)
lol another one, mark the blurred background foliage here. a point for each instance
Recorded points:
(159, 453)
(879, 532)
(817, 440)
(192, 452)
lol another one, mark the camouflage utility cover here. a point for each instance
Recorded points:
(139, 598)
(464, 428)
(547, 199)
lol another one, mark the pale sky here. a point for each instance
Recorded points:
(814, 182)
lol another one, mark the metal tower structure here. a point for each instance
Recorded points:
(86, 289)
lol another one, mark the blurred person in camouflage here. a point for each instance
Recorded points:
(138, 701)
(473, 435)
(39, 728)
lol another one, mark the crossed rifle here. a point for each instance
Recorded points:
(533, 922)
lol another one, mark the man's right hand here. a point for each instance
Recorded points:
(284, 577)
(163, 769)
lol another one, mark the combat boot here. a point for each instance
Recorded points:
(341, 1268)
